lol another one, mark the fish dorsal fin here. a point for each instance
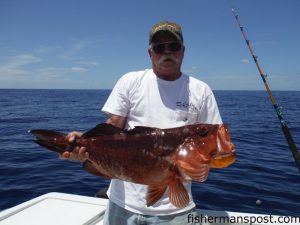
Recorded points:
(102, 129)
(141, 129)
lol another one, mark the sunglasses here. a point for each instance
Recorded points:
(161, 47)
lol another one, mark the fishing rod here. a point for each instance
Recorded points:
(284, 126)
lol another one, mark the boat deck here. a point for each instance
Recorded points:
(56, 209)
(68, 209)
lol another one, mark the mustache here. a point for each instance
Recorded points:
(167, 57)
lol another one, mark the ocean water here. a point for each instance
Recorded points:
(264, 167)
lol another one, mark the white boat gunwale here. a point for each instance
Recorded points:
(58, 207)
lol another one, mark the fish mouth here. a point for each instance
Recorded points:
(226, 152)
(223, 159)
(52, 140)
(222, 155)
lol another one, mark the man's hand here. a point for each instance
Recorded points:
(78, 153)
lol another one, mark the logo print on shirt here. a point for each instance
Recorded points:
(187, 105)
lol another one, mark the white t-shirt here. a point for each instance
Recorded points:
(147, 100)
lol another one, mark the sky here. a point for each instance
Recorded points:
(90, 44)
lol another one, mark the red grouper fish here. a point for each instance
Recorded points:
(161, 158)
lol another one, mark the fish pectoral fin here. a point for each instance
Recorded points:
(155, 192)
(196, 171)
(178, 195)
(89, 167)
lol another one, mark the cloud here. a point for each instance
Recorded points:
(78, 46)
(15, 64)
(19, 67)
(88, 63)
(47, 65)
(78, 69)
(46, 49)
(22, 60)
(22, 64)
(245, 61)
(191, 71)
(55, 72)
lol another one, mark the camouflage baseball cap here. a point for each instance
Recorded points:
(166, 26)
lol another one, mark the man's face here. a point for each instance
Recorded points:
(167, 58)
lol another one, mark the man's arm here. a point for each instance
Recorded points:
(81, 153)
(117, 121)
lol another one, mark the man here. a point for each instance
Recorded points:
(161, 97)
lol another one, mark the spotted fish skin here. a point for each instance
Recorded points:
(159, 158)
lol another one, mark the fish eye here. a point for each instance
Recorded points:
(203, 132)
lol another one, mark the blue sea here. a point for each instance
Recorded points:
(264, 167)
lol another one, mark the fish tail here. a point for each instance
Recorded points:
(52, 140)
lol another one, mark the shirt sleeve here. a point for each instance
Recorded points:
(209, 112)
(118, 101)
